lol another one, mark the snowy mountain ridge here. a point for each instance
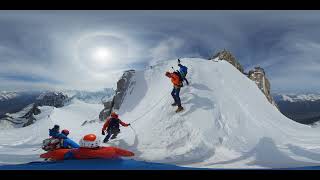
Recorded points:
(227, 123)
(292, 97)
(94, 97)
(6, 95)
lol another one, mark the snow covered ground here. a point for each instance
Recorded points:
(227, 123)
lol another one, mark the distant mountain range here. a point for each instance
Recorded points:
(11, 102)
(303, 108)
(15, 101)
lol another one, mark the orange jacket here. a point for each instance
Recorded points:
(106, 124)
(175, 80)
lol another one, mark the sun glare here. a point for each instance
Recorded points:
(102, 55)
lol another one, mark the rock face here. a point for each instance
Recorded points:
(227, 56)
(122, 86)
(23, 118)
(30, 115)
(258, 75)
(56, 99)
(107, 110)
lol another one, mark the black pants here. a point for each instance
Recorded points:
(175, 94)
(113, 132)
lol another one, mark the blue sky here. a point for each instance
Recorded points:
(51, 49)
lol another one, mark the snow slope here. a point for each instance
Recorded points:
(227, 123)
(21, 145)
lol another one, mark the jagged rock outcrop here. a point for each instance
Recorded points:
(56, 99)
(26, 116)
(122, 86)
(33, 111)
(258, 75)
(30, 115)
(227, 56)
(23, 118)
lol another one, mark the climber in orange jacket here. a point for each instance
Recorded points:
(176, 80)
(112, 125)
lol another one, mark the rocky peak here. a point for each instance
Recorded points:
(227, 56)
(30, 115)
(123, 84)
(56, 99)
(258, 75)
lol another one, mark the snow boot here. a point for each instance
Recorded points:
(180, 108)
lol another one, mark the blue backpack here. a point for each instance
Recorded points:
(183, 69)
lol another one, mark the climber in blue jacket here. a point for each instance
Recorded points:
(63, 137)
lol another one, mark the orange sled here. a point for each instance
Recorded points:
(87, 153)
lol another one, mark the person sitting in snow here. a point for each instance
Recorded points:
(112, 125)
(177, 84)
(183, 71)
(64, 141)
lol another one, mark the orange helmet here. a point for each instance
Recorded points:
(90, 141)
(114, 115)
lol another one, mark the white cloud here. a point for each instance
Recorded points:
(166, 49)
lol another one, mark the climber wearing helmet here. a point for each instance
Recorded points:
(112, 125)
(64, 141)
(177, 84)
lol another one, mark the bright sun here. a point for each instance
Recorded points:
(102, 55)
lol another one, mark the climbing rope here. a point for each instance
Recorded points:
(149, 109)
(133, 130)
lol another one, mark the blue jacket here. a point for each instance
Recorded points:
(66, 141)
(183, 69)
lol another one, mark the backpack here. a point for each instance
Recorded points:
(114, 123)
(180, 77)
(184, 69)
(51, 144)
